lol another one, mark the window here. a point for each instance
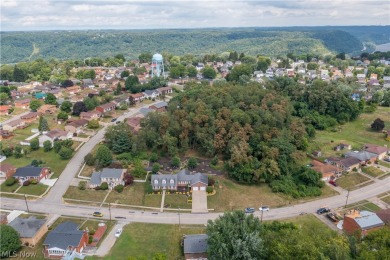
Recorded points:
(171, 181)
(164, 181)
(155, 181)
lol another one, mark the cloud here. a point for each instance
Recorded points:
(126, 14)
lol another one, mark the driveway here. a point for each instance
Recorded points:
(199, 201)
(109, 241)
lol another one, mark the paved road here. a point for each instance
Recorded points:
(72, 168)
(369, 191)
(15, 117)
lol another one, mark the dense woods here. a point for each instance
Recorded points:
(24, 46)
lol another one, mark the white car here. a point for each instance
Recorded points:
(118, 232)
(264, 208)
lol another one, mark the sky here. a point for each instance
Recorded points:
(28, 15)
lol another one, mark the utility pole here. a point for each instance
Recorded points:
(25, 199)
(179, 220)
(261, 219)
(109, 209)
(346, 201)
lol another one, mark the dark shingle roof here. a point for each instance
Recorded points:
(64, 235)
(195, 244)
(28, 171)
(27, 227)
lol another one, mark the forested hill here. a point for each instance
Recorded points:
(23, 46)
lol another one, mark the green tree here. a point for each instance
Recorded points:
(192, 72)
(34, 144)
(235, 236)
(103, 156)
(175, 163)
(131, 83)
(4, 97)
(125, 74)
(89, 159)
(47, 146)
(153, 157)
(19, 74)
(93, 124)
(239, 70)
(82, 185)
(35, 104)
(43, 124)
(378, 125)
(50, 99)
(62, 115)
(10, 241)
(192, 162)
(65, 153)
(79, 107)
(156, 167)
(118, 90)
(18, 151)
(66, 106)
(92, 103)
(209, 72)
(119, 138)
(145, 57)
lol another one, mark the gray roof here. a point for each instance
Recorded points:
(164, 180)
(150, 92)
(361, 155)
(368, 219)
(64, 235)
(111, 173)
(186, 175)
(161, 104)
(349, 161)
(95, 178)
(28, 171)
(27, 227)
(195, 244)
(145, 111)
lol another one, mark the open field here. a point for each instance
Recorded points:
(33, 189)
(88, 194)
(356, 133)
(372, 171)
(145, 240)
(350, 180)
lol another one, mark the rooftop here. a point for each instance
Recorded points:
(194, 244)
(27, 227)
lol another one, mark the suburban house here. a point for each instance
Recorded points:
(328, 171)
(23, 103)
(384, 215)
(30, 230)
(16, 94)
(121, 101)
(13, 125)
(195, 246)
(145, 111)
(380, 151)
(54, 135)
(106, 107)
(113, 177)
(76, 125)
(30, 117)
(65, 238)
(159, 107)
(23, 174)
(47, 109)
(136, 98)
(91, 115)
(72, 90)
(346, 164)
(363, 156)
(6, 170)
(165, 90)
(153, 93)
(134, 123)
(4, 110)
(361, 222)
(40, 95)
(182, 181)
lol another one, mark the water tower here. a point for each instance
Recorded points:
(157, 65)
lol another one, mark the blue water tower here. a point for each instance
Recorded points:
(157, 65)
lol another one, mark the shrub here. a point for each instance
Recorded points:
(148, 188)
(211, 181)
(93, 124)
(92, 232)
(156, 167)
(10, 181)
(153, 157)
(119, 188)
(33, 181)
(47, 146)
(125, 157)
(192, 163)
(26, 183)
(128, 179)
(209, 189)
(34, 144)
(65, 153)
(175, 163)
(8, 152)
(90, 239)
(97, 188)
(89, 160)
(214, 161)
(104, 186)
(82, 185)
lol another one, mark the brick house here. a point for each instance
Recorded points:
(380, 151)
(195, 246)
(113, 177)
(134, 123)
(165, 90)
(182, 181)
(91, 115)
(30, 230)
(66, 237)
(363, 156)
(72, 90)
(76, 125)
(136, 98)
(328, 171)
(30, 117)
(31, 173)
(47, 109)
(23, 103)
(346, 164)
(360, 223)
(159, 107)
(106, 107)
(13, 125)
(4, 110)
(6, 170)
(53, 135)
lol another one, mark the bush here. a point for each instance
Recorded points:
(175, 163)
(192, 162)
(97, 188)
(36, 163)
(65, 153)
(209, 189)
(211, 182)
(104, 186)
(34, 144)
(156, 167)
(82, 185)
(148, 188)
(128, 179)
(26, 183)
(89, 160)
(153, 157)
(10, 181)
(124, 157)
(119, 188)
(214, 161)
(93, 124)
(92, 232)
(47, 146)
(34, 181)
(8, 152)
(90, 239)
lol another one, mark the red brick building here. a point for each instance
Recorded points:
(360, 223)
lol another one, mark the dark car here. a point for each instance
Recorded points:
(332, 217)
(113, 120)
(323, 210)
(333, 183)
(249, 210)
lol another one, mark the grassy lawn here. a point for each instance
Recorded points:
(372, 171)
(383, 163)
(355, 133)
(33, 189)
(386, 199)
(177, 201)
(350, 180)
(361, 205)
(5, 188)
(131, 195)
(87, 171)
(308, 223)
(91, 195)
(51, 159)
(145, 240)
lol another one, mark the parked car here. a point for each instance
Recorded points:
(118, 232)
(387, 159)
(323, 210)
(97, 214)
(332, 216)
(249, 210)
(333, 183)
(113, 120)
(264, 208)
